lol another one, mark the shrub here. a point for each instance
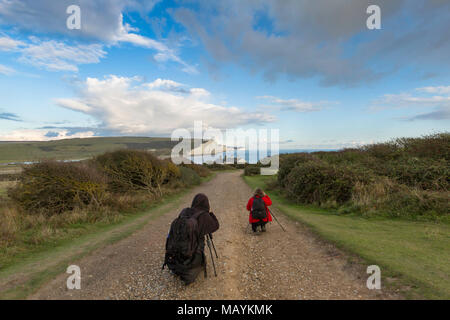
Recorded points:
(218, 167)
(252, 170)
(319, 183)
(201, 170)
(132, 170)
(288, 162)
(189, 177)
(436, 146)
(387, 197)
(54, 187)
(426, 174)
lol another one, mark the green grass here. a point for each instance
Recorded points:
(417, 254)
(34, 265)
(77, 149)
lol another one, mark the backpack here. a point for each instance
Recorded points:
(183, 240)
(259, 209)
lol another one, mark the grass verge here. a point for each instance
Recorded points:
(23, 274)
(416, 254)
(4, 185)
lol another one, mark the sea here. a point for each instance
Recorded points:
(250, 156)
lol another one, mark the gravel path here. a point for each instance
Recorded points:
(273, 265)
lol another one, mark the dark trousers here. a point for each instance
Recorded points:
(256, 224)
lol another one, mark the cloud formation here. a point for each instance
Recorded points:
(322, 39)
(102, 25)
(5, 70)
(426, 99)
(43, 135)
(9, 116)
(101, 19)
(294, 104)
(129, 106)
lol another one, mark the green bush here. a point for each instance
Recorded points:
(132, 170)
(426, 174)
(435, 146)
(288, 162)
(54, 187)
(219, 167)
(201, 170)
(189, 177)
(319, 183)
(252, 170)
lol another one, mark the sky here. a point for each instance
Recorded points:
(311, 69)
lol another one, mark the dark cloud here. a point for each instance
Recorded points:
(9, 116)
(52, 134)
(100, 18)
(439, 114)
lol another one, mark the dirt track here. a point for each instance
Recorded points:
(273, 265)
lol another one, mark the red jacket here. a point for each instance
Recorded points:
(267, 202)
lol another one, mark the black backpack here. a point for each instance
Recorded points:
(259, 209)
(183, 240)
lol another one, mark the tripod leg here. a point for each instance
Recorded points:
(214, 247)
(212, 258)
(212, 242)
(277, 221)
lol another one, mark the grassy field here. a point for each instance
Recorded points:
(75, 149)
(415, 253)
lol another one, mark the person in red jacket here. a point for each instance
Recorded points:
(267, 202)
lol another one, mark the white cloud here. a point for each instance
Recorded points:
(294, 104)
(8, 44)
(53, 55)
(427, 99)
(6, 70)
(127, 106)
(409, 100)
(59, 56)
(438, 89)
(42, 135)
(164, 83)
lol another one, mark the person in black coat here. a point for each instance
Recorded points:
(207, 224)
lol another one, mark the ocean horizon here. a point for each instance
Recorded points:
(251, 156)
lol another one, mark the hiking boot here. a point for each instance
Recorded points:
(263, 228)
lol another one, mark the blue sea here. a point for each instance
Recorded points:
(250, 156)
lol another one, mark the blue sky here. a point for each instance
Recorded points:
(145, 68)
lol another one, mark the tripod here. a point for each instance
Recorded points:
(210, 241)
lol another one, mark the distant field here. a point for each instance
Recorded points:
(74, 149)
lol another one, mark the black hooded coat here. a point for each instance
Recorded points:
(207, 224)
